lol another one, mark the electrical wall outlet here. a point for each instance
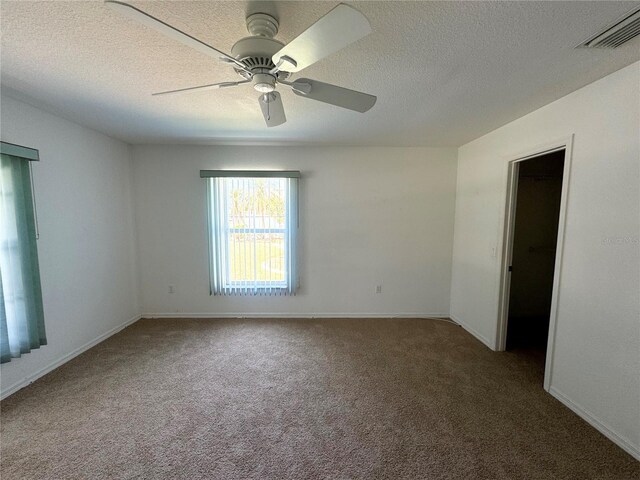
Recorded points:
(378, 288)
(172, 289)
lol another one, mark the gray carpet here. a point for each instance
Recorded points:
(299, 399)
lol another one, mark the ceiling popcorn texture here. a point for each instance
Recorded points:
(444, 72)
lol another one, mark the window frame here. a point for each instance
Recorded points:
(219, 234)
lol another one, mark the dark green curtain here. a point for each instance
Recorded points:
(21, 312)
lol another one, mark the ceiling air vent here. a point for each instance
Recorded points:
(617, 34)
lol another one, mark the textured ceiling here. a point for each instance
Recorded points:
(444, 72)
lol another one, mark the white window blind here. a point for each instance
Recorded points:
(253, 224)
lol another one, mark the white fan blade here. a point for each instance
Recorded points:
(172, 32)
(272, 109)
(201, 88)
(338, 96)
(340, 27)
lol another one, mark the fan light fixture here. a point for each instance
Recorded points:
(264, 83)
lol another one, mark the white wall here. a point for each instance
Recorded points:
(86, 246)
(597, 349)
(368, 216)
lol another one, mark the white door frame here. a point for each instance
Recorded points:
(513, 162)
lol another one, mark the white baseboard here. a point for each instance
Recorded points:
(64, 359)
(622, 442)
(294, 315)
(473, 332)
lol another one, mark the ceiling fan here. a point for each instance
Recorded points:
(266, 62)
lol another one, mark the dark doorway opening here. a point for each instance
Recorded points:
(535, 237)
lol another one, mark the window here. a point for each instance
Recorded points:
(21, 315)
(253, 223)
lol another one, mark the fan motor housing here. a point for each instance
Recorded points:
(256, 52)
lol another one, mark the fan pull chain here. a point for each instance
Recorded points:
(266, 98)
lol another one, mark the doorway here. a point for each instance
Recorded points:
(533, 253)
(534, 221)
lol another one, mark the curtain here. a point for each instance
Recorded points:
(253, 235)
(21, 312)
